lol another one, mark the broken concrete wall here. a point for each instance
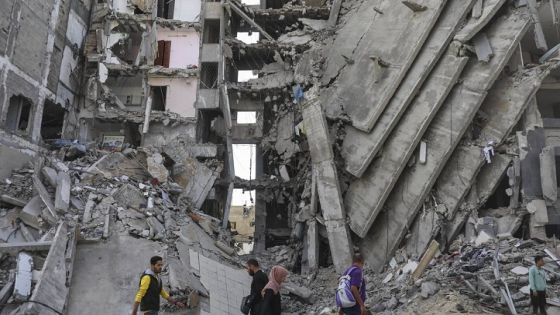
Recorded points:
(36, 62)
(181, 94)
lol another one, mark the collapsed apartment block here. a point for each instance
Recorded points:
(391, 128)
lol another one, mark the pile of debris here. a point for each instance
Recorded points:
(47, 207)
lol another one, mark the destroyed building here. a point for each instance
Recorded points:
(423, 134)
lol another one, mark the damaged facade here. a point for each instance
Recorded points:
(397, 129)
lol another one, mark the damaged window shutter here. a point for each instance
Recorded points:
(160, 53)
(166, 53)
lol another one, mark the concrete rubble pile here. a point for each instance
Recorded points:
(52, 205)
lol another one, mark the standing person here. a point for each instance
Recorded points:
(257, 285)
(358, 287)
(537, 284)
(150, 290)
(271, 304)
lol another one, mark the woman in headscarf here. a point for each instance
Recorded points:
(271, 292)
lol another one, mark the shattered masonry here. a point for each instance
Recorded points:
(417, 133)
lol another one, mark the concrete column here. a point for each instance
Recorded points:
(328, 186)
(260, 206)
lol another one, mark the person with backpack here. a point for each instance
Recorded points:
(351, 291)
(271, 302)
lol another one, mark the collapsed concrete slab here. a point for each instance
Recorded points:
(328, 186)
(503, 107)
(474, 25)
(359, 148)
(52, 288)
(442, 137)
(486, 184)
(365, 196)
(382, 58)
(198, 179)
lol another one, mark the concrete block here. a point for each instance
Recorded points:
(366, 196)
(359, 148)
(62, 196)
(24, 274)
(548, 174)
(482, 47)
(474, 25)
(156, 168)
(32, 211)
(477, 9)
(50, 175)
(444, 135)
(393, 40)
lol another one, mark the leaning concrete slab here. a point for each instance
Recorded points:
(382, 58)
(52, 288)
(486, 184)
(365, 196)
(503, 107)
(359, 148)
(328, 186)
(348, 38)
(443, 136)
(474, 25)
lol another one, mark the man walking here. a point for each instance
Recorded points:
(150, 290)
(537, 284)
(260, 280)
(357, 286)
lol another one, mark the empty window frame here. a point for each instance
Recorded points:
(165, 9)
(159, 94)
(19, 114)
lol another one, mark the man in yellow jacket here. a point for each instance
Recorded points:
(150, 290)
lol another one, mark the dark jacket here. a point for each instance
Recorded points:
(271, 304)
(260, 279)
(150, 301)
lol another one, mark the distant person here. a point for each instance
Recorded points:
(257, 285)
(352, 289)
(271, 304)
(150, 290)
(537, 285)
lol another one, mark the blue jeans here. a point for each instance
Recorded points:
(354, 310)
